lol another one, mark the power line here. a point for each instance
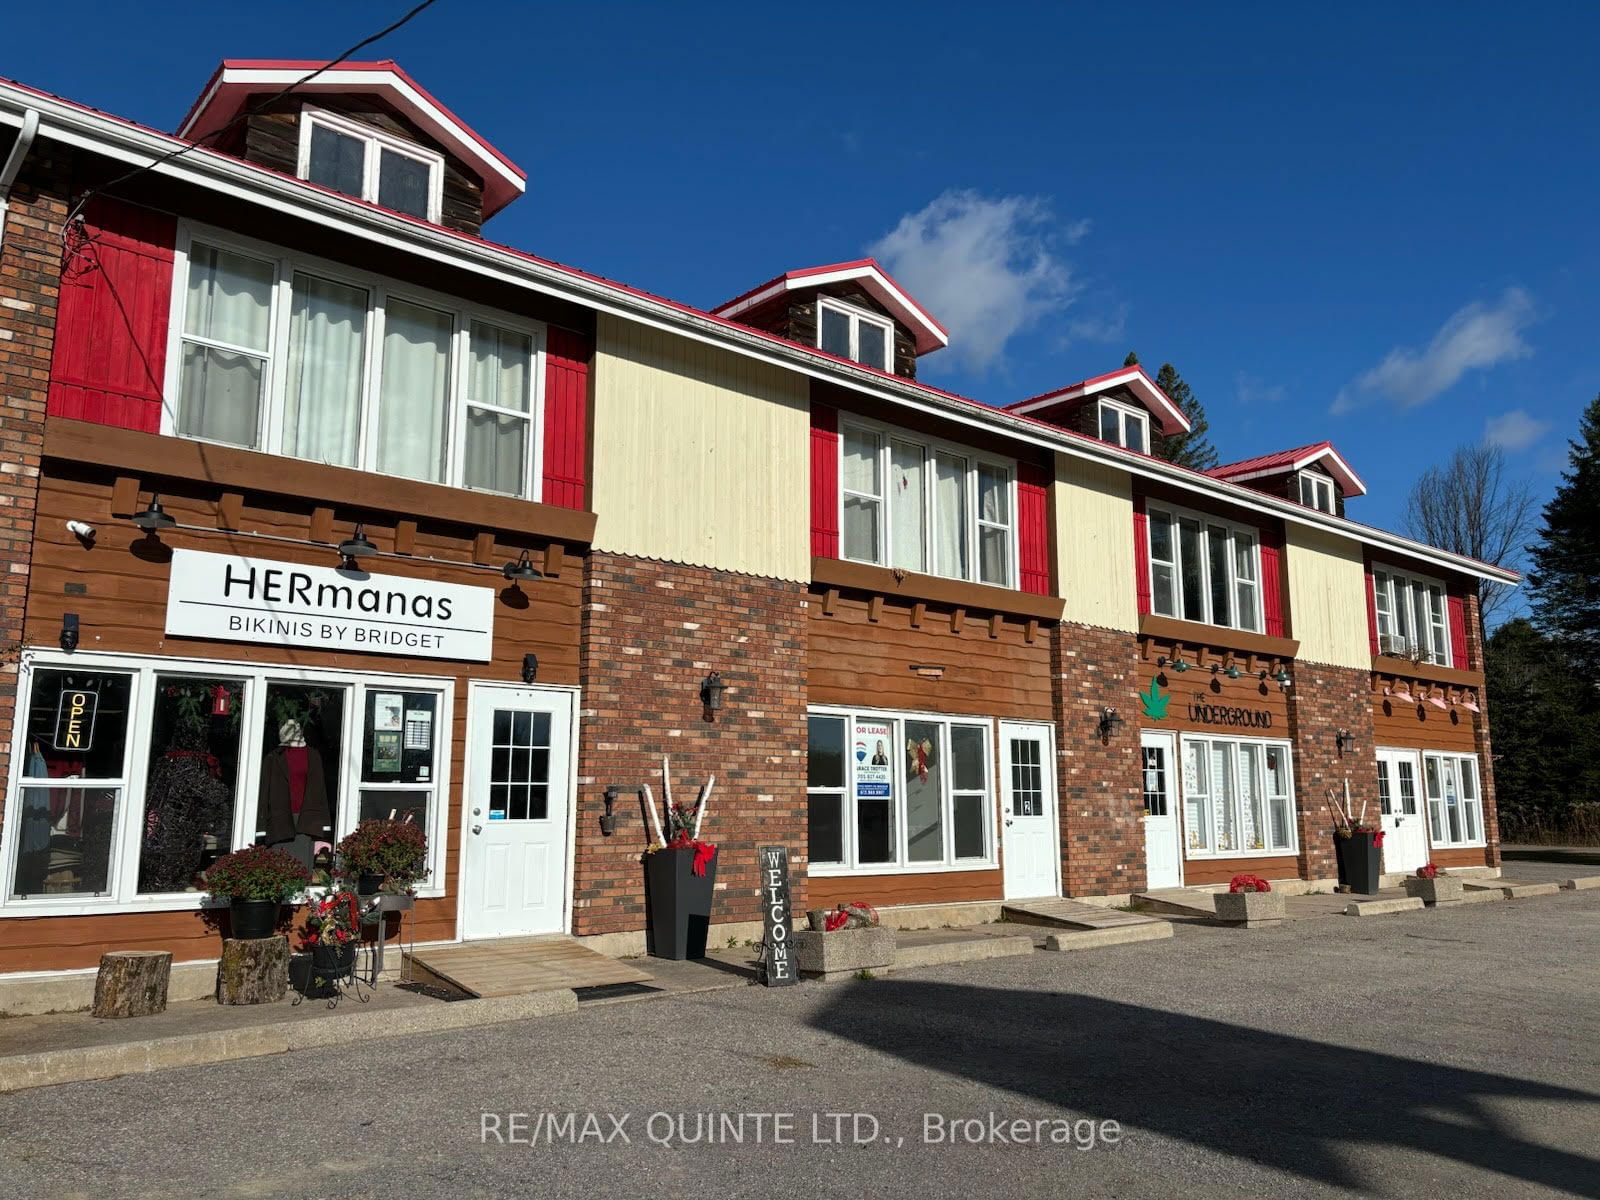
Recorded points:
(77, 209)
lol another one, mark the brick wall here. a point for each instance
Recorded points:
(1480, 734)
(1102, 808)
(30, 273)
(1324, 700)
(651, 632)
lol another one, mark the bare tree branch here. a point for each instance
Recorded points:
(1468, 506)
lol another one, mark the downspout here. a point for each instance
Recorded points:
(13, 164)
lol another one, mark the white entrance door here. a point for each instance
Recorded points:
(1405, 843)
(1163, 867)
(518, 798)
(1030, 838)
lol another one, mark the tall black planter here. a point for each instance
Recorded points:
(679, 902)
(1358, 862)
(253, 918)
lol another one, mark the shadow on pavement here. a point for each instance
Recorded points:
(1285, 1102)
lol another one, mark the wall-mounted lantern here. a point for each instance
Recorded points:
(608, 819)
(1110, 722)
(530, 667)
(711, 689)
(69, 632)
(1343, 741)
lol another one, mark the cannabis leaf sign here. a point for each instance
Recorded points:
(1155, 701)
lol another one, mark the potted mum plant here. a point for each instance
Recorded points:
(256, 883)
(381, 853)
(680, 874)
(1249, 902)
(333, 930)
(1434, 888)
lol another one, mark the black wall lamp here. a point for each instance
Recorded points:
(521, 571)
(1110, 722)
(357, 545)
(153, 518)
(530, 667)
(711, 689)
(1343, 741)
(69, 632)
(608, 820)
(1177, 664)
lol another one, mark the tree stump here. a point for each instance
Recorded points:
(132, 983)
(253, 970)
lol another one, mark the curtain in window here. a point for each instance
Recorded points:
(414, 397)
(229, 302)
(994, 526)
(861, 467)
(908, 511)
(1222, 793)
(950, 515)
(924, 784)
(494, 454)
(1196, 796)
(327, 337)
(1252, 808)
(1163, 565)
(1244, 572)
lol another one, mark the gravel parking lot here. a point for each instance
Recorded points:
(1444, 1052)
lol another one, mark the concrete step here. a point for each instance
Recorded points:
(1378, 908)
(1093, 939)
(944, 951)
(1182, 902)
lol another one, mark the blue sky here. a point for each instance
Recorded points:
(1373, 225)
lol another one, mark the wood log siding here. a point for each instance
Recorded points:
(123, 610)
(272, 139)
(793, 315)
(932, 887)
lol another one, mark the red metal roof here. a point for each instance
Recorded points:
(1132, 375)
(1282, 461)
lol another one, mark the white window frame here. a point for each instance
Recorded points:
(902, 864)
(1236, 759)
(380, 290)
(1471, 809)
(1126, 414)
(1316, 491)
(856, 316)
(1234, 529)
(889, 434)
(123, 878)
(1394, 598)
(375, 141)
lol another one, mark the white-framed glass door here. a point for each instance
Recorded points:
(518, 807)
(1030, 833)
(1405, 842)
(1158, 778)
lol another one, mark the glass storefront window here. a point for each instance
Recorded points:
(1238, 797)
(825, 774)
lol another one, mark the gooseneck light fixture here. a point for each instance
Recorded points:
(153, 518)
(521, 571)
(356, 546)
(1177, 664)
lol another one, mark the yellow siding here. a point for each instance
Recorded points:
(700, 456)
(1094, 544)
(1327, 598)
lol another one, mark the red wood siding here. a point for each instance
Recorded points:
(1372, 612)
(566, 418)
(1141, 554)
(111, 330)
(1456, 604)
(824, 481)
(1272, 580)
(1033, 528)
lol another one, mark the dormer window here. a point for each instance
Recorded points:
(853, 333)
(370, 164)
(1316, 491)
(1126, 426)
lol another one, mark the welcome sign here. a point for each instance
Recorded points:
(230, 598)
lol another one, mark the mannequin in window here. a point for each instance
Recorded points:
(294, 812)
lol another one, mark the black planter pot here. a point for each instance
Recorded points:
(253, 918)
(330, 967)
(679, 902)
(368, 884)
(1358, 862)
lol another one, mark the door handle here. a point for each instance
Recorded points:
(477, 812)
(1008, 820)
(477, 829)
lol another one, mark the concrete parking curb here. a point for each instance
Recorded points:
(22, 1071)
(1378, 908)
(1116, 935)
(939, 954)
(1582, 883)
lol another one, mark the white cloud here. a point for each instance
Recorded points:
(1477, 337)
(986, 268)
(1514, 430)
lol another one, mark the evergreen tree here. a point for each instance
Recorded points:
(1132, 360)
(1565, 580)
(1192, 449)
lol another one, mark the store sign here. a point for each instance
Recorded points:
(1203, 712)
(234, 599)
(75, 720)
(869, 742)
(778, 926)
